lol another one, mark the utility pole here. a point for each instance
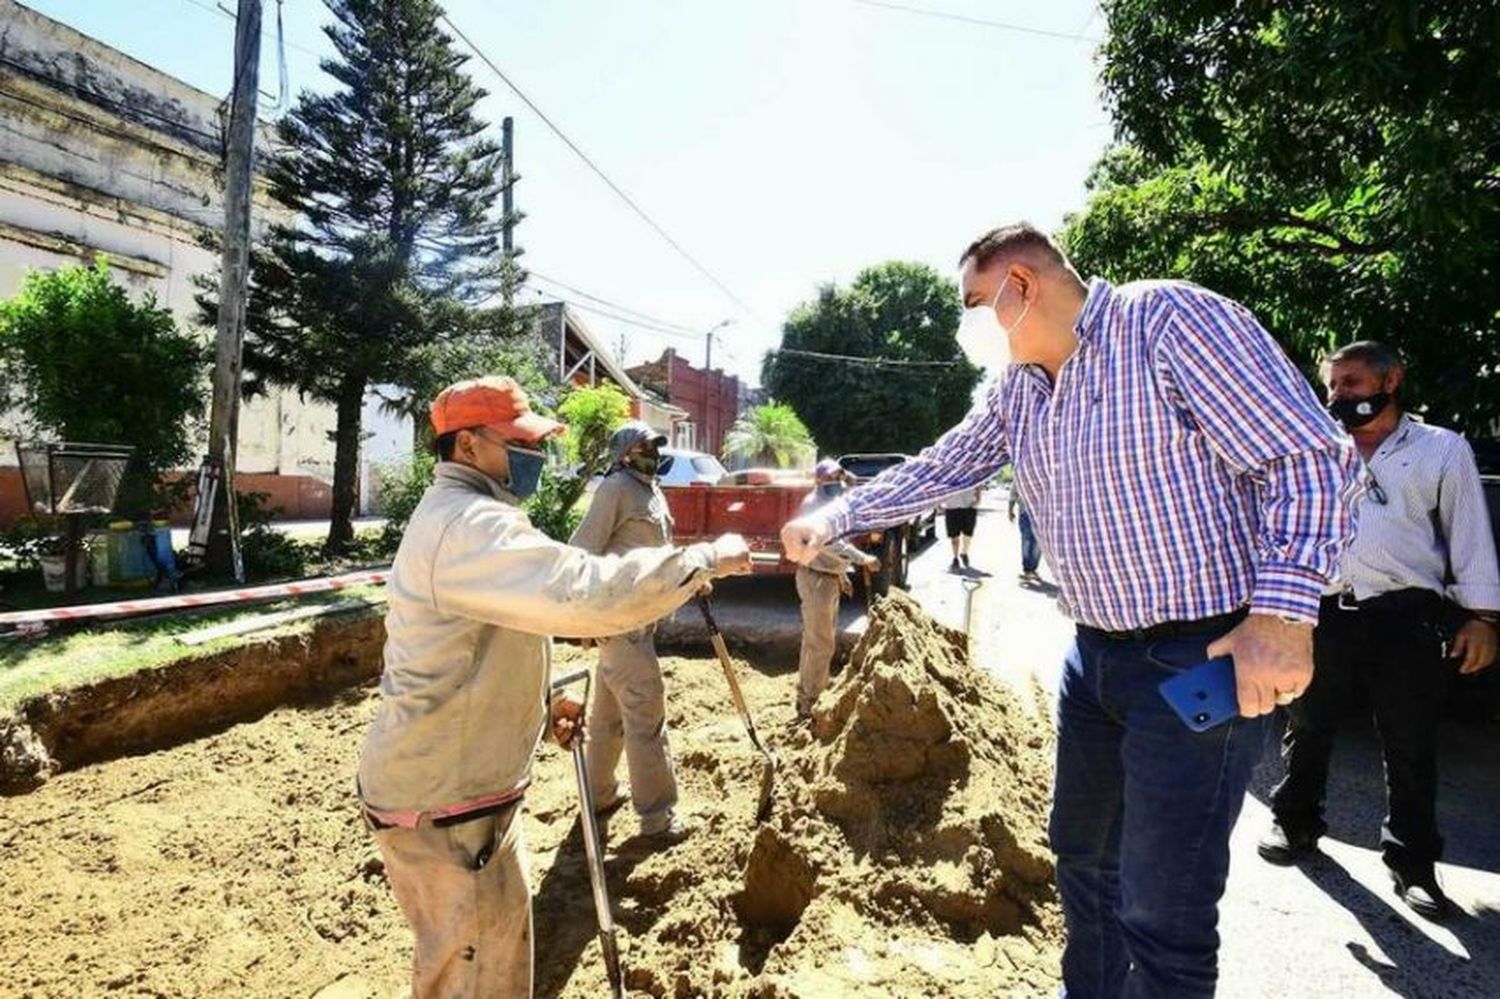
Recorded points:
(508, 199)
(708, 353)
(234, 267)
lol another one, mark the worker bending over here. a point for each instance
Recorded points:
(819, 584)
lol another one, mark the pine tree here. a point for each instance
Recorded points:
(393, 246)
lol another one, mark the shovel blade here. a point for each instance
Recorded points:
(767, 788)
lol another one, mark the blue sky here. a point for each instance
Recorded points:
(783, 143)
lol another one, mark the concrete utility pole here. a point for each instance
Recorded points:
(708, 352)
(507, 195)
(233, 277)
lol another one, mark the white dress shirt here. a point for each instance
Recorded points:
(1432, 531)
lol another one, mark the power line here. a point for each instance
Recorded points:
(215, 9)
(685, 330)
(1003, 25)
(616, 188)
(596, 310)
(877, 361)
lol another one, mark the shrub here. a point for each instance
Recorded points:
(79, 360)
(268, 553)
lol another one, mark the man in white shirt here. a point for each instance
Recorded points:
(1418, 590)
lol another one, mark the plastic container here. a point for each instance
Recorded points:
(128, 564)
(98, 557)
(54, 572)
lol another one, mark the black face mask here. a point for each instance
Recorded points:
(647, 463)
(1354, 413)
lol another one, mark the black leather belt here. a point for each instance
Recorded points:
(1393, 601)
(1167, 630)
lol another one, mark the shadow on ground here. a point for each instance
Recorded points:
(1468, 790)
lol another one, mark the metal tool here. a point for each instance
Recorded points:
(970, 585)
(608, 940)
(770, 764)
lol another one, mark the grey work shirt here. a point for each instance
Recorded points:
(628, 511)
(1433, 530)
(837, 556)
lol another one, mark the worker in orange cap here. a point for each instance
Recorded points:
(474, 594)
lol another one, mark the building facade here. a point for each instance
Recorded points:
(712, 400)
(103, 155)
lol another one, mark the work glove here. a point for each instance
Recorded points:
(731, 556)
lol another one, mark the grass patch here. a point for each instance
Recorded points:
(29, 668)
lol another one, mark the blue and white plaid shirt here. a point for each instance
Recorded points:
(1180, 468)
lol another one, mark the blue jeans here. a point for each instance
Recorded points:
(1141, 815)
(1031, 552)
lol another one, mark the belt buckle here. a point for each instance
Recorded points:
(1347, 601)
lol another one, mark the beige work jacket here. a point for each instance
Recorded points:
(474, 594)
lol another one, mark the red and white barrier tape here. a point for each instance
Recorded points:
(152, 605)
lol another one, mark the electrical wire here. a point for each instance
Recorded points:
(213, 9)
(596, 310)
(1003, 25)
(616, 188)
(685, 330)
(852, 359)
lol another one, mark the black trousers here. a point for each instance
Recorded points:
(1390, 650)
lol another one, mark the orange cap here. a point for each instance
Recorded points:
(495, 401)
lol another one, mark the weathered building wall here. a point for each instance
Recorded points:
(101, 154)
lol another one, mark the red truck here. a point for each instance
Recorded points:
(758, 502)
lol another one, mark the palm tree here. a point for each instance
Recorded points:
(772, 434)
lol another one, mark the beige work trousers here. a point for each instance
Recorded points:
(819, 592)
(629, 713)
(464, 890)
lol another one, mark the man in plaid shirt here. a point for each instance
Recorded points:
(1193, 499)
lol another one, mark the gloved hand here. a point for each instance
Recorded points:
(731, 556)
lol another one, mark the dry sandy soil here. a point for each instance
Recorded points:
(904, 855)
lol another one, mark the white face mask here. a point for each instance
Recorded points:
(982, 337)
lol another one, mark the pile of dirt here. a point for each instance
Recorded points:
(904, 855)
(906, 852)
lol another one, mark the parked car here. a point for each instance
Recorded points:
(691, 468)
(894, 545)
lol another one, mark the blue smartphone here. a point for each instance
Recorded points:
(1204, 696)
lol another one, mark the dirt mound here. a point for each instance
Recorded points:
(904, 855)
(906, 851)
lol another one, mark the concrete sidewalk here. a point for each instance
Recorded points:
(1332, 928)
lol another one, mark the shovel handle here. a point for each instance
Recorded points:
(708, 615)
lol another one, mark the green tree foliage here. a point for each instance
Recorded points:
(1332, 165)
(591, 415)
(772, 434)
(80, 360)
(902, 312)
(433, 367)
(394, 245)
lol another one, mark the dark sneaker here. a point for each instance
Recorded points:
(1422, 894)
(1278, 846)
(955, 567)
(965, 560)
